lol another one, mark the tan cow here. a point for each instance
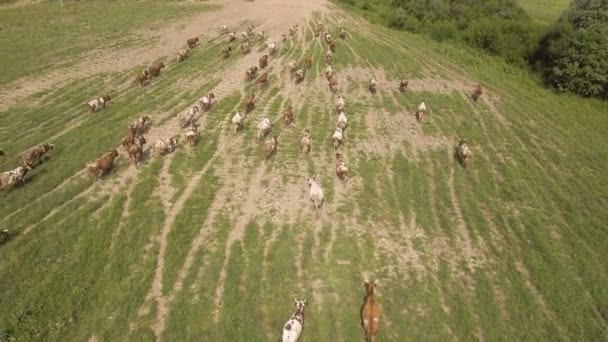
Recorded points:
(370, 312)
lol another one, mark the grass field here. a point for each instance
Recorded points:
(545, 12)
(212, 243)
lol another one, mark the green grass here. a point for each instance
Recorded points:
(544, 12)
(509, 248)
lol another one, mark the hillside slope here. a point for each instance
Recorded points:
(213, 242)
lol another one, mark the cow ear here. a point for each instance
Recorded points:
(295, 301)
(305, 299)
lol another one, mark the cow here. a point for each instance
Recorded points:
(373, 86)
(340, 104)
(293, 65)
(329, 72)
(264, 127)
(223, 29)
(4, 236)
(293, 328)
(37, 155)
(288, 116)
(143, 77)
(263, 61)
(477, 92)
(136, 150)
(370, 312)
(328, 57)
(306, 142)
(332, 46)
(403, 83)
(342, 33)
(192, 42)
(192, 134)
(188, 116)
(165, 145)
(283, 37)
(421, 111)
(246, 47)
(333, 84)
(272, 48)
(140, 125)
(206, 101)
(248, 103)
(262, 80)
(342, 120)
(308, 61)
(182, 55)
(292, 30)
(104, 164)
(98, 103)
(338, 137)
(10, 179)
(238, 120)
(316, 193)
(251, 73)
(300, 74)
(231, 37)
(155, 69)
(226, 52)
(464, 153)
(261, 35)
(341, 168)
(270, 146)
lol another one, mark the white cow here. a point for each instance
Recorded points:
(293, 328)
(238, 120)
(264, 127)
(188, 116)
(10, 179)
(316, 193)
(206, 101)
(272, 48)
(342, 120)
(338, 137)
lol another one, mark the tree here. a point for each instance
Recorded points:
(573, 56)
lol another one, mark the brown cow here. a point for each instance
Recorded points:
(477, 92)
(263, 61)
(262, 80)
(333, 84)
(403, 83)
(143, 77)
(288, 115)
(370, 312)
(251, 73)
(332, 46)
(37, 155)
(270, 146)
(155, 68)
(104, 164)
(192, 42)
(248, 103)
(341, 168)
(136, 150)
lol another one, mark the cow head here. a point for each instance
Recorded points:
(338, 155)
(300, 304)
(49, 146)
(114, 153)
(370, 286)
(106, 97)
(211, 95)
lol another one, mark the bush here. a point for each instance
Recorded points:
(573, 56)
